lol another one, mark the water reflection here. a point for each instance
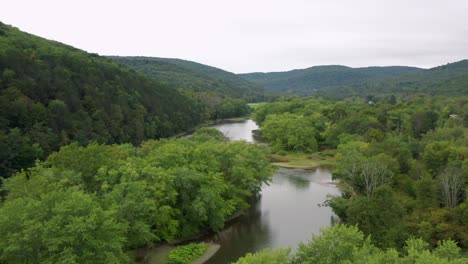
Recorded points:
(299, 182)
(287, 212)
(247, 234)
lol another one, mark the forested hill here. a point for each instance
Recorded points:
(307, 81)
(198, 77)
(52, 94)
(448, 80)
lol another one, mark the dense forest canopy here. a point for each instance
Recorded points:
(402, 166)
(52, 94)
(223, 94)
(351, 246)
(197, 77)
(92, 204)
(307, 81)
(340, 82)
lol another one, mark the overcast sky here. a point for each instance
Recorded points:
(255, 35)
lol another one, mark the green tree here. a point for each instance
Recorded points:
(267, 256)
(18, 152)
(380, 216)
(333, 245)
(436, 156)
(290, 132)
(61, 227)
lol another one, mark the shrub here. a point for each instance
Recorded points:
(187, 253)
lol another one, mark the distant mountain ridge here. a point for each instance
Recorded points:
(195, 76)
(446, 80)
(340, 82)
(305, 81)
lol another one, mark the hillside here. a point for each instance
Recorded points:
(307, 81)
(194, 76)
(447, 80)
(52, 94)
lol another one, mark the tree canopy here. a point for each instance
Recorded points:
(346, 244)
(52, 94)
(90, 204)
(402, 167)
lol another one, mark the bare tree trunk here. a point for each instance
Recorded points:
(451, 186)
(366, 176)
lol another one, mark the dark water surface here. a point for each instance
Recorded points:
(287, 211)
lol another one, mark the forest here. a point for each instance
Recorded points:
(402, 166)
(351, 246)
(52, 95)
(223, 94)
(337, 82)
(92, 204)
(306, 81)
(197, 77)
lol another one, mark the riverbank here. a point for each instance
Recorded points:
(303, 160)
(157, 254)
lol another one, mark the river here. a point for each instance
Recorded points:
(287, 212)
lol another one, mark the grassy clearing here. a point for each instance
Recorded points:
(303, 160)
(255, 105)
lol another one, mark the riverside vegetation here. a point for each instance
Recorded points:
(52, 95)
(92, 204)
(86, 180)
(402, 168)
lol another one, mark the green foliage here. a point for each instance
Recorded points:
(267, 256)
(332, 245)
(426, 193)
(208, 133)
(60, 227)
(447, 249)
(187, 253)
(348, 245)
(290, 132)
(18, 151)
(371, 83)
(52, 94)
(436, 156)
(194, 76)
(397, 164)
(119, 197)
(231, 108)
(380, 216)
(221, 94)
(308, 81)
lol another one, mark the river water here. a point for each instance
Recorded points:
(287, 212)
